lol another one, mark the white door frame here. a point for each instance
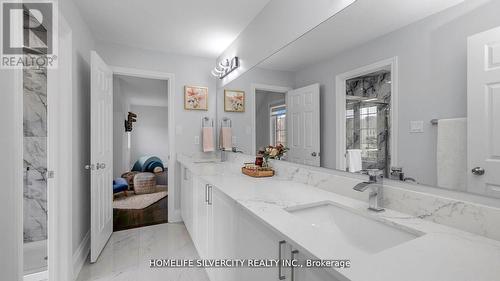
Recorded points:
(341, 104)
(59, 159)
(262, 87)
(172, 159)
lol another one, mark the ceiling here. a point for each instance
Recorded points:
(192, 27)
(361, 22)
(142, 91)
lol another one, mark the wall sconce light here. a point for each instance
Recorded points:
(225, 67)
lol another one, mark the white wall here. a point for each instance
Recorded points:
(432, 80)
(10, 227)
(150, 133)
(296, 17)
(83, 43)
(242, 121)
(121, 151)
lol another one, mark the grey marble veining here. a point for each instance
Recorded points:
(425, 257)
(35, 154)
(127, 254)
(469, 216)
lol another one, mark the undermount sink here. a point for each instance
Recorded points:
(366, 234)
(211, 167)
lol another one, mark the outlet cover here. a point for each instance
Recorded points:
(417, 126)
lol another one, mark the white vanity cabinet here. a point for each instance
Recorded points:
(202, 218)
(187, 194)
(221, 229)
(256, 241)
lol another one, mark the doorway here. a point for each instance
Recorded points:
(140, 152)
(366, 105)
(102, 151)
(270, 119)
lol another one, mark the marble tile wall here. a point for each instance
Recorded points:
(35, 154)
(375, 85)
(466, 215)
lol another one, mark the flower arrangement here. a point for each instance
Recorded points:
(273, 152)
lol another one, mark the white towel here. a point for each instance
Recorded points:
(353, 159)
(226, 138)
(208, 139)
(452, 153)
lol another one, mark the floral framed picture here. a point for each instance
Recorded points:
(195, 98)
(234, 101)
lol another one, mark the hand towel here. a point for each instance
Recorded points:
(452, 153)
(208, 139)
(226, 138)
(353, 160)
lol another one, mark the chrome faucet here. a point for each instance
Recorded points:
(223, 156)
(376, 194)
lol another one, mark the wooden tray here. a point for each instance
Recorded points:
(257, 173)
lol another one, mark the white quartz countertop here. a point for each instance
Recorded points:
(440, 253)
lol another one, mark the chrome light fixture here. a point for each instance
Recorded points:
(225, 67)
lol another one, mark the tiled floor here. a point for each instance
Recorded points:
(127, 254)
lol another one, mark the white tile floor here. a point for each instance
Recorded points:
(127, 254)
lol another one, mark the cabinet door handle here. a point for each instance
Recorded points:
(292, 271)
(210, 195)
(280, 269)
(206, 193)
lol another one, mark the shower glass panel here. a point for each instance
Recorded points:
(35, 170)
(368, 108)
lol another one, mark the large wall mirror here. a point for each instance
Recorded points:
(390, 85)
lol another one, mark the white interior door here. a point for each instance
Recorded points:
(483, 94)
(303, 125)
(101, 135)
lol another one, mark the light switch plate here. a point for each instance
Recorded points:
(248, 130)
(234, 140)
(417, 126)
(196, 139)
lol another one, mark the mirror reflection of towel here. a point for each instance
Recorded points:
(208, 139)
(452, 153)
(226, 138)
(353, 159)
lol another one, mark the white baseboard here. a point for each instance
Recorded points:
(80, 256)
(40, 276)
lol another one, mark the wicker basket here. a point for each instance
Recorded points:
(144, 183)
(129, 176)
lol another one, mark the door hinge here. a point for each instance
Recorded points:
(50, 174)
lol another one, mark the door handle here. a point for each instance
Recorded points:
(314, 154)
(210, 194)
(103, 165)
(478, 171)
(89, 167)
(292, 271)
(280, 269)
(206, 193)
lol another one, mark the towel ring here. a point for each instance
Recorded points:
(205, 120)
(226, 122)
